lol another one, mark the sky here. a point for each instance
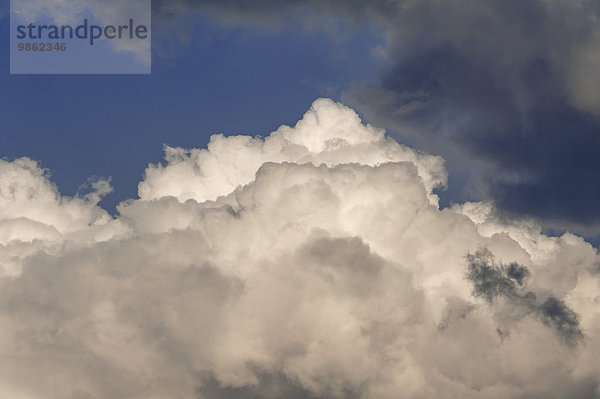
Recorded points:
(309, 199)
(113, 126)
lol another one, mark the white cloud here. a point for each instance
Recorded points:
(329, 133)
(34, 216)
(316, 258)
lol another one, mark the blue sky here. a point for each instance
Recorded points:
(238, 80)
(506, 93)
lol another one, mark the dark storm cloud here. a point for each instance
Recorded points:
(271, 8)
(543, 155)
(491, 280)
(503, 83)
(513, 84)
(269, 13)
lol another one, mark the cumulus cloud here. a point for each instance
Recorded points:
(34, 216)
(329, 133)
(312, 263)
(512, 85)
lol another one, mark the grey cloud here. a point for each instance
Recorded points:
(491, 281)
(269, 10)
(493, 84)
(518, 273)
(557, 315)
(269, 386)
(345, 261)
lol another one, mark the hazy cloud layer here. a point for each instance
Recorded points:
(313, 263)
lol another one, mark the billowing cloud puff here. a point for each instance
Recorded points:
(507, 91)
(313, 263)
(33, 214)
(329, 134)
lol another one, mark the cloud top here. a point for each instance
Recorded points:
(312, 263)
(329, 133)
